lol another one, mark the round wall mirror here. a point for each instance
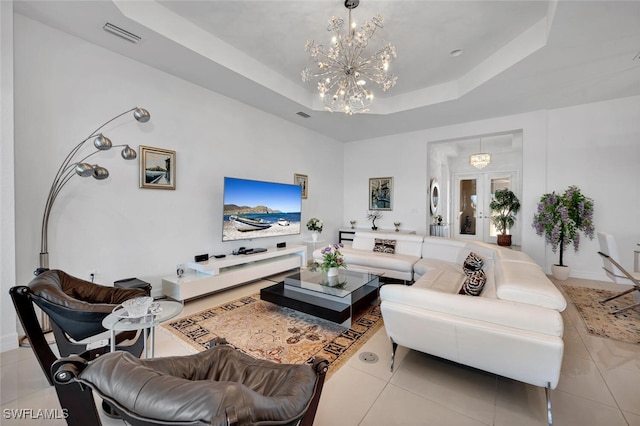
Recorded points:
(435, 196)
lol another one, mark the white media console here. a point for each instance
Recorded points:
(214, 275)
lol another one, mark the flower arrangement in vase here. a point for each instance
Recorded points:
(332, 259)
(372, 215)
(315, 226)
(561, 218)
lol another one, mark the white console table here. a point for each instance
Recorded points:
(215, 275)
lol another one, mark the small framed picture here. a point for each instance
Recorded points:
(303, 181)
(157, 168)
(381, 193)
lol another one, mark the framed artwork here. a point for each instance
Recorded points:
(157, 168)
(381, 193)
(303, 181)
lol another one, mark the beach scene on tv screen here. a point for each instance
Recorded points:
(255, 209)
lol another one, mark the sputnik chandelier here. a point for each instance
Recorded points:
(344, 70)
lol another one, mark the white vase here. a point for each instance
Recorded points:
(332, 272)
(560, 273)
(314, 236)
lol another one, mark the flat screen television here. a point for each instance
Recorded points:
(256, 209)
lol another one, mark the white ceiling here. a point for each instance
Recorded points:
(518, 56)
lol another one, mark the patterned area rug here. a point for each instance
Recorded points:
(624, 326)
(275, 333)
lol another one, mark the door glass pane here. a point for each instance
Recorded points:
(497, 183)
(468, 203)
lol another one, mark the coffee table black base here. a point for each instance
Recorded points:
(316, 306)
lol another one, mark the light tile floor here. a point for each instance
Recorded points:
(599, 383)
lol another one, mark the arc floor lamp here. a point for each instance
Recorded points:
(71, 167)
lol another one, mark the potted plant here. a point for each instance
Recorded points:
(561, 218)
(506, 205)
(372, 215)
(332, 259)
(315, 226)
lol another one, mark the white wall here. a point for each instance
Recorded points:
(65, 88)
(594, 146)
(9, 337)
(597, 147)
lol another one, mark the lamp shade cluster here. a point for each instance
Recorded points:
(71, 167)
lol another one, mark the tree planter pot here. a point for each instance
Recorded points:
(504, 240)
(560, 273)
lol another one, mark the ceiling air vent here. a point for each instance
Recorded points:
(303, 114)
(637, 57)
(120, 32)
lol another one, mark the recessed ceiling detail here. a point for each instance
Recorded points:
(518, 56)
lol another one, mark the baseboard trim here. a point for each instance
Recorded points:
(8, 341)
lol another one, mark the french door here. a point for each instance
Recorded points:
(473, 194)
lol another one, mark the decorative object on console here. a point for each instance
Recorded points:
(561, 217)
(397, 226)
(157, 168)
(481, 159)
(506, 205)
(315, 226)
(381, 193)
(372, 215)
(332, 259)
(303, 182)
(71, 167)
(353, 224)
(344, 70)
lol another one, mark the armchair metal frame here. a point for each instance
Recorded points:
(635, 286)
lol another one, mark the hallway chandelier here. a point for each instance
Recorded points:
(481, 159)
(343, 68)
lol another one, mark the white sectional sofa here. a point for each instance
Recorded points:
(359, 255)
(513, 328)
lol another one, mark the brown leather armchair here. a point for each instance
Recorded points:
(220, 386)
(76, 309)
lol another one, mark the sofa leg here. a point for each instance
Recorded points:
(394, 346)
(548, 393)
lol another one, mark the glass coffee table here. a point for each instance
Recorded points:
(331, 298)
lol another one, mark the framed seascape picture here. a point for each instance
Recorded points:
(303, 181)
(157, 168)
(381, 193)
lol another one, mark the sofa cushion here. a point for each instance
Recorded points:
(527, 283)
(384, 246)
(474, 283)
(409, 244)
(397, 262)
(445, 280)
(472, 263)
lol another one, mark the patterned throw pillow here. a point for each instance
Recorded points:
(472, 263)
(384, 246)
(474, 283)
